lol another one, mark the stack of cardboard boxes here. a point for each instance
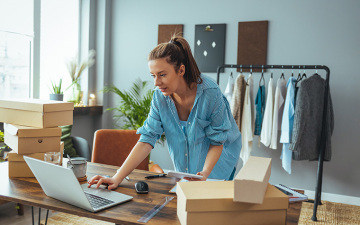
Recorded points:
(31, 127)
(249, 199)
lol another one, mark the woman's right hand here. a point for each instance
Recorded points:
(110, 182)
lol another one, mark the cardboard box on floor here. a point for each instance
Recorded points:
(252, 180)
(26, 140)
(211, 202)
(36, 112)
(18, 166)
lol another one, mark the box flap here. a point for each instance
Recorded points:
(37, 105)
(204, 196)
(254, 169)
(14, 157)
(10, 129)
(25, 132)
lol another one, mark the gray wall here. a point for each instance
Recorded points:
(300, 32)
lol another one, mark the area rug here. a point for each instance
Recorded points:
(330, 213)
(69, 219)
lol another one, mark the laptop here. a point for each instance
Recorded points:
(61, 183)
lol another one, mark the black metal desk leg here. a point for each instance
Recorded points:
(47, 215)
(32, 214)
(39, 216)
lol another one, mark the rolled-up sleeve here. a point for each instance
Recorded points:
(152, 128)
(219, 125)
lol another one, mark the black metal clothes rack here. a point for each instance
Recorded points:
(323, 135)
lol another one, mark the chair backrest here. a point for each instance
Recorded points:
(113, 146)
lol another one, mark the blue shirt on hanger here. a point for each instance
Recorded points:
(259, 108)
(210, 122)
(287, 124)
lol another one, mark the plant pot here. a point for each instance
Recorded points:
(57, 97)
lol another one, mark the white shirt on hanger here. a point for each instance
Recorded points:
(280, 94)
(229, 88)
(250, 85)
(266, 130)
(246, 128)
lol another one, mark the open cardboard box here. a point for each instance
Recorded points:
(26, 140)
(211, 202)
(36, 112)
(18, 166)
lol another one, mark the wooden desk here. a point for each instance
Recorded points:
(27, 191)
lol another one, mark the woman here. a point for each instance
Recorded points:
(201, 133)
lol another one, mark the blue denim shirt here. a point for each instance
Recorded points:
(210, 122)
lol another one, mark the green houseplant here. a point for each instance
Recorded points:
(134, 105)
(56, 91)
(3, 146)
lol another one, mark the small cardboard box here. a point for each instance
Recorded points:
(252, 180)
(211, 202)
(26, 140)
(18, 166)
(36, 112)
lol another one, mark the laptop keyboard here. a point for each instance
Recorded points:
(96, 201)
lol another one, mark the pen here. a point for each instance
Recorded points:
(154, 176)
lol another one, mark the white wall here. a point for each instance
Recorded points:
(300, 32)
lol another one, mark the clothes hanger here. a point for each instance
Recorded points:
(282, 73)
(299, 76)
(262, 75)
(304, 74)
(316, 73)
(271, 71)
(292, 71)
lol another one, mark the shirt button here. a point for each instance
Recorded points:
(185, 154)
(186, 169)
(189, 123)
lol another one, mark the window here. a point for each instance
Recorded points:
(15, 65)
(16, 36)
(58, 42)
(59, 38)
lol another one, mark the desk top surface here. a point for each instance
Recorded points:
(28, 191)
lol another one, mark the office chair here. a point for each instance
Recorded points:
(113, 146)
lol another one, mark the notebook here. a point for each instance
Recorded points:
(61, 183)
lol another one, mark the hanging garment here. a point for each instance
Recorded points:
(229, 88)
(287, 125)
(306, 136)
(246, 127)
(259, 107)
(280, 94)
(250, 86)
(237, 100)
(266, 129)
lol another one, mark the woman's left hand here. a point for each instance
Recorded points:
(202, 173)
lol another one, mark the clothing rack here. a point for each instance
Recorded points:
(323, 136)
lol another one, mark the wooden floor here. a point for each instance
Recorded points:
(9, 214)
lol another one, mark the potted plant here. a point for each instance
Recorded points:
(3, 146)
(75, 71)
(56, 91)
(134, 105)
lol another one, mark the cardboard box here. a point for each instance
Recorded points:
(252, 180)
(18, 166)
(26, 140)
(211, 202)
(36, 112)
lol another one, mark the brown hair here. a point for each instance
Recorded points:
(176, 52)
